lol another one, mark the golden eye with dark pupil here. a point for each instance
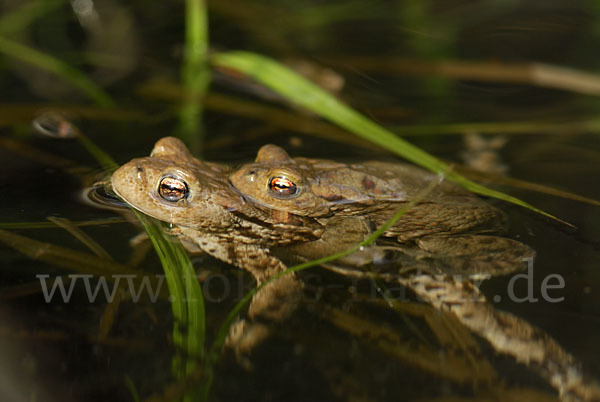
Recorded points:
(282, 186)
(172, 188)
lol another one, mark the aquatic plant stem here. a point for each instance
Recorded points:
(195, 75)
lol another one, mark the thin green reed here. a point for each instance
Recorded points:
(195, 75)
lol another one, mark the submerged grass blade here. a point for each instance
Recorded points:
(73, 260)
(50, 225)
(132, 389)
(105, 160)
(308, 95)
(58, 67)
(186, 296)
(525, 185)
(80, 235)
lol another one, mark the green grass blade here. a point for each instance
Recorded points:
(58, 67)
(308, 95)
(21, 18)
(187, 300)
(80, 235)
(195, 74)
(105, 160)
(129, 384)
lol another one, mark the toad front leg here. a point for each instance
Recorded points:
(274, 302)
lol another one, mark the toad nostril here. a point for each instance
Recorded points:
(140, 173)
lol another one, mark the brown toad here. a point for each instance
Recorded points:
(280, 209)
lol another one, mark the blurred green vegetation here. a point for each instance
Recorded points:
(418, 67)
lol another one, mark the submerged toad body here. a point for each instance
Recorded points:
(280, 209)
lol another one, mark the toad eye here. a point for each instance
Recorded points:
(283, 187)
(172, 188)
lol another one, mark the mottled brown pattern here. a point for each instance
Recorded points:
(368, 183)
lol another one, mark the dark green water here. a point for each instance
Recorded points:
(331, 350)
